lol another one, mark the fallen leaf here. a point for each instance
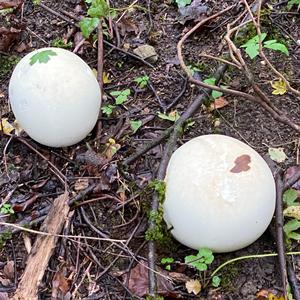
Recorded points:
(7, 37)
(111, 148)
(59, 284)
(10, 3)
(268, 295)
(241, 164)
(279, 87)
(5, 126)
(105, 78)
(292, 212)
(277, 154)
(8, 270)
(193, 286)
(127, 25)
(138, 281)
(81, 184)
(218, 103)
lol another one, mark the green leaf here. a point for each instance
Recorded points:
(277, 154)
(289, 197)
(135, 125)
(200, 261)
(108, 109)
(291, 3)
(142, 81)
(42, 57)
(120, 96)
(87, 25)
(216, 280)
(290, 227)
(252, 46)
(98, 9)
(6, 209)
(182, 3)
(212, 81)
(274, 45)
(167, 260)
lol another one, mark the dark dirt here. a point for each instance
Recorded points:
(28, 184)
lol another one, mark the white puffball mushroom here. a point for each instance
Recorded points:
(54, 96)
(220, 194)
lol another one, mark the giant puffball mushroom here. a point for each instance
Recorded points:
(55, 97)
(220, 194)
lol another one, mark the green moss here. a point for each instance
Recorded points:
(229, 274)
(4, 237)
(7, 64)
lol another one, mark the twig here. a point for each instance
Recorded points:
(55, 13)
(178, 97)
(162, 104)
(279, 233)
(293, 279)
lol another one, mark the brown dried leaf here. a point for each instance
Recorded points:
(138, 281)
(179, 277)
(8, 270)
(27, 243)
(193, 286)
(127, 25)
(218, 103)
(241, 164)
(7, 37)
(10, 3)
(59, 284)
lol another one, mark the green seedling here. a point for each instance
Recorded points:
(289, 229)
(167, 261)
(135, 125)
(216, 280)
(36, 2)
(201, 260)
(212, 81)
(142, 81)
(252, 46)
(60, 43)
(291, 3)
(289, 197)
(120, 96)
(173, 116)
(6, 209)
(108, 109)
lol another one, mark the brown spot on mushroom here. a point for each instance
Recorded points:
(241, 164)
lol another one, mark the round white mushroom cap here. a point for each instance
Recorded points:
(54, 96)
(220, 194)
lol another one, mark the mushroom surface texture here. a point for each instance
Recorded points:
(220, 194)
(55, 97)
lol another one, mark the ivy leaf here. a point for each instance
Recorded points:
(289, 197)
(274, 45)
(98, 9)
(183, 3)
(252, 46)
(87, 25)
(42, 57)
(135, 125)
(279, 87)
(277, 154)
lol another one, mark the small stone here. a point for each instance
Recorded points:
(146, 52)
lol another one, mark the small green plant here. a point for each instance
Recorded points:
(252, 46)
(135, 125)
(290, 196)
(42, 57)
(6, 209)
(36, 2)
(98, 9)
(173, 116)
(182, 3)
(212, 81)
(108, 109)
(60, 43)
(120, 96)
(142, 81)
(216, 280)
(167, 261)
(4, 237)
(201, 260)
(289, 229)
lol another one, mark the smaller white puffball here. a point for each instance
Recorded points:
(220, 194)
(54, 96)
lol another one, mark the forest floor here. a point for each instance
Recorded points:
(110, 194)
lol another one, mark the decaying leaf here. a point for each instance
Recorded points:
(81, 184)
(7, 37)
(292, 212)
(277, 154)
(193, 286)
(218, 103)
(126, 25)
(60, 284)
(241, 164)
(138, 281)
(279, 87)
(111, 148)
(268, 295)
(5, 126)
(8, 270)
